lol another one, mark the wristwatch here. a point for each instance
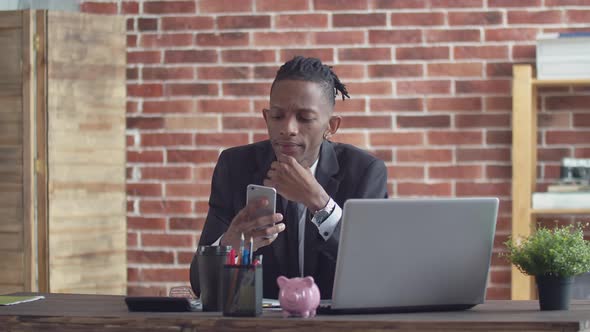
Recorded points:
(322, 214)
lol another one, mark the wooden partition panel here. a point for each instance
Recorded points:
(12, 221)
(86, 57)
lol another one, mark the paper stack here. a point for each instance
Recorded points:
(563, 55)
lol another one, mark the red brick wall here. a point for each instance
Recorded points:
(430, 86)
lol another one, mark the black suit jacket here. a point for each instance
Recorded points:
(344, 171)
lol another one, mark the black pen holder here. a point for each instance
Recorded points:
(242, 290)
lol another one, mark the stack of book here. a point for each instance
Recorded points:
(563, 55)
(573, 191)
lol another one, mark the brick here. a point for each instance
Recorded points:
(424, 189)
(423, 121)
(395, 36)
(150, 257)
(301, 21)
(401, 4)
(445, 35)
(475, 18)
(144, 189)
(167, 240)
(371, 88)
(215, 6)
(384, 154)
(336, 5)
(349, 105)
(132, 74)
(454, 137)
(169, 7)
(395, 104)
(498, 137)
(223, 105)
(187, 23)
(455, 69)
(131, 107)
(567, 137)
(483, 189)
(422, 53)
(356, 139)
(221, 139)
(188, 189)
(248, 56)
(582, 120)
(349, 71)
(223, 39)
(246, 89)
(481, 52)
(396, 139)
(145, 157)
(192, 123)
(562, 3)
(424, 155)
(489, 86)
(359, 20)
(131, 41)
(552, 154)
(500, 277)
(499, 69)
(554, 120)
(129, 7)
(534, 17)
(166, 139)
(581, 152)
(165, 207)
(482, 120)
(363, 122)
(509, 3)
(224, 73)
(165, 40)
(144, 57)
(498, 172)
(278, 6)
(498, 104)
(167, 73)
(147, 24)
(405, 172)
(364, 54)
(191, 89)
(135, 290)
(243, 123)
(417, 19)
(190, 56)
(455, 172)
(130, 25)
(98, 7)
(395, 70)
(456, 3)
(569, 103)
(324, 54)
(191, 156)
(523, 52)
(423, 87)
(280, 38)
(165, 275)
(265, 72)
(243, 22)
(483, 154)
(165, 173)
(168, 106)
(130, 205)
(511, 34)
(146, 223)
(186, 224)
(144, 123)
(338, 38)
(130, 141)
(578, 16)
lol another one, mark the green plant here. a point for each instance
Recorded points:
(560, 251)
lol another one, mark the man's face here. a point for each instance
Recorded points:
(298, 118)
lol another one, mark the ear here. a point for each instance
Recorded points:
(281, 281)
(308, 281)
(333, 125)
(265, 114)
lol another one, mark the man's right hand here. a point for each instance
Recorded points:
(263, 229)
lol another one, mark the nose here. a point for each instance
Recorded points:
(290, 127)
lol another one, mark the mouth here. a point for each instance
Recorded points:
(288, 148)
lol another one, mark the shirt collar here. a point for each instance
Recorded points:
(314, 166)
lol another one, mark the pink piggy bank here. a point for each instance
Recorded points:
(298, 296)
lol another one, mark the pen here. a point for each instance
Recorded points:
(246, 257)
(231, 258)
(241, 253)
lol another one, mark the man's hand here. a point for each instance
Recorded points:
(296, 183)
(263, 229)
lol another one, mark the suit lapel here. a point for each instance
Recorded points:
(326, 171)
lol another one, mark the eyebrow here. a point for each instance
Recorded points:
(303, 109)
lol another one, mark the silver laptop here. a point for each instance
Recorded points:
(420, 254)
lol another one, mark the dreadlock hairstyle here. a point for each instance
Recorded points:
(313, 70)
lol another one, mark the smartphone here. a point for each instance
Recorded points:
(255, 192)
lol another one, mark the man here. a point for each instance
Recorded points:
(313, 178)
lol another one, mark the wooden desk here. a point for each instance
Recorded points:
(63, 312)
